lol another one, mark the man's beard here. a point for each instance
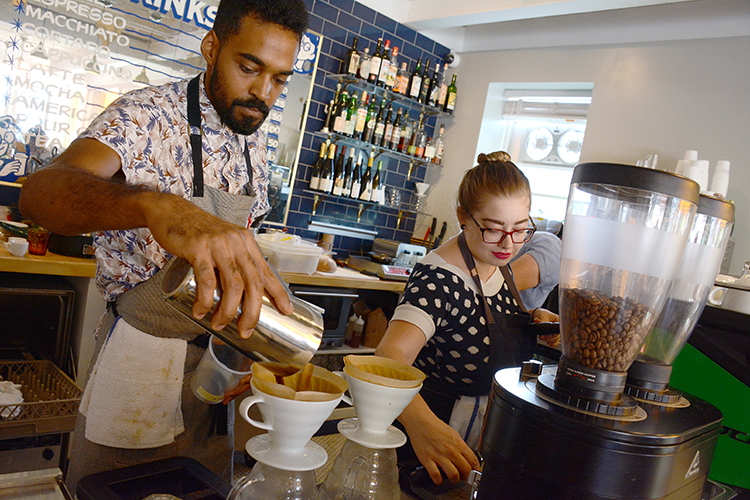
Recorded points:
(246, 125)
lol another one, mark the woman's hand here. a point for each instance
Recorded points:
(540, 315)
(438, 446)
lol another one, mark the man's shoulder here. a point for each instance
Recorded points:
(165, 98)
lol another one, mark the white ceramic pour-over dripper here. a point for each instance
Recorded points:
(421, 187)
(377, 407)
(290, 424)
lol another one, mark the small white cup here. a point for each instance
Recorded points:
(17, 246)
(221, 368)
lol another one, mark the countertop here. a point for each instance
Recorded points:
(60, 265)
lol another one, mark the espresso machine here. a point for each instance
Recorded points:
(569, 431)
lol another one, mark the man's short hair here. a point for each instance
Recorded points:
(290, 14)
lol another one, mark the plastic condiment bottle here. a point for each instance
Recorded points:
(720, 179)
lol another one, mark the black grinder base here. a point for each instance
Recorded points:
(536, 449)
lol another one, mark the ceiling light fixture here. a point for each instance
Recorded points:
(92, 66)
(142, 78)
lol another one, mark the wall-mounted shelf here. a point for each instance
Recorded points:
(402, 209)
(412, 104)
(379, 150)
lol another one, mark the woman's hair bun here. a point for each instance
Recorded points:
(494, 156)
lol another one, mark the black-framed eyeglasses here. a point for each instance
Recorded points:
(496, 236)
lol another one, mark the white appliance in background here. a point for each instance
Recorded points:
(404, 254)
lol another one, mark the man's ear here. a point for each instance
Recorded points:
(210, 48)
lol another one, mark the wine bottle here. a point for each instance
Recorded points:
(339, 123)
(338, 174)
(388, 130)
(377, 136)
(372, 111)
(450, 97)
(377, 57)
(434, 90)
(364, 65)
(390, 81)
(351, 61)
(365, 192)
(326, 178)
(361, 121)
(439, 146)
(415, 82)
(351, 115)
(356, 180)
(412, 149)
(319, 165)
(332, 108)
(377, 187)
(443, 88)
(385, 64)
(426, 83)
(396, 132)
(348, 175)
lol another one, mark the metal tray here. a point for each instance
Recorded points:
(50, 397)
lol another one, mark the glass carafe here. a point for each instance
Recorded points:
(265, 482)
(362, 473)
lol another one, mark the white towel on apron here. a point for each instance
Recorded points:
(132, 398)
(467, 418)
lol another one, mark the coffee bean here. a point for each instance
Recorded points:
(602, 332)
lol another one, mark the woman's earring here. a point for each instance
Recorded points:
(463, 227)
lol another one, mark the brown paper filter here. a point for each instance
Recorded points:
(317, 383)
(383, 371)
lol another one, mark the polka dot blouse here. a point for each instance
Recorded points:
(443, 302)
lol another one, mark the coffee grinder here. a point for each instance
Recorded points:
(568, 431)
(648, 376)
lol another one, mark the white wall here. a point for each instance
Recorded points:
(658, 97)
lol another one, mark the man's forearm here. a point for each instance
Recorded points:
(71, 201)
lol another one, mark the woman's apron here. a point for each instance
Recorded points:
(208, 439)
(507, 337)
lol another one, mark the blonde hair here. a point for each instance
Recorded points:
(494, 175)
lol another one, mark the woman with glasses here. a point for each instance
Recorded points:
(461, 319)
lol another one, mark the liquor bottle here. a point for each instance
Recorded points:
(439, 146)
(396, 132)
(388, 130)
(420, 143)
(365, 191)
(450, 96)
(412, 150)
(339, 122)
(346, 190)
(361, 121)
(426, 83)
(377, 187)
(443, 88)
(429, 150)
(434, 91)
(356, 180)
(372, 112)
(377, 57)
(338, 174)
(351, 115)
(390, 81)
(377, 136)
(402, 78)
(351, 61)
(326, 178)
(415, 82)
(364, 65)
(318, 168)
(385, 65)
(406, 131)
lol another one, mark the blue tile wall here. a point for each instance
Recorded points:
(339, 21)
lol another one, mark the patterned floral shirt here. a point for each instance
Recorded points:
(149, 130)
